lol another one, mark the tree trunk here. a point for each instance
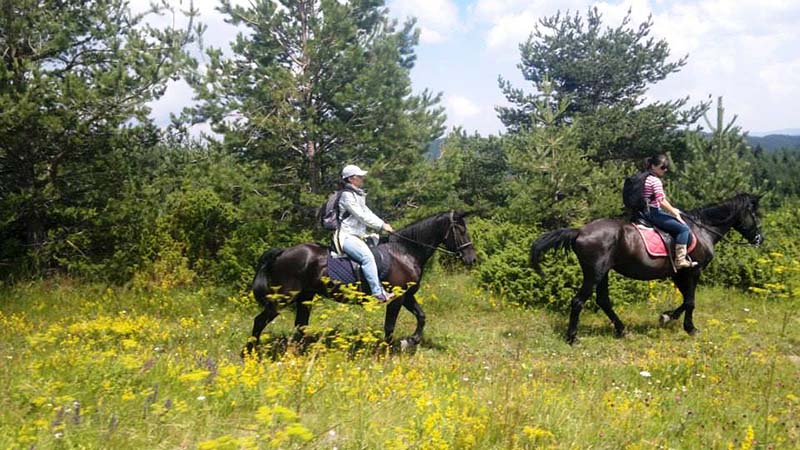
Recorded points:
(314, 176)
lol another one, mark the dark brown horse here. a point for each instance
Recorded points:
(298, 273)
(607, 244)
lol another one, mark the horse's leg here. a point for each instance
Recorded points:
(577, 305)
(410, 302)
(668, 316)
(259, 323)
(675, 314)
(604, 301)
(302, 313)
(392, 311)
(686, 281)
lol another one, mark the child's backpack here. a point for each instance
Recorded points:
(329, 212)
(633, 192)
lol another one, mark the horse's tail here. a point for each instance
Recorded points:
(556, 239)
(261, 281)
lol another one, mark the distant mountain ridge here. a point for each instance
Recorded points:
(774, 142)
(769, 143)
(784, 132)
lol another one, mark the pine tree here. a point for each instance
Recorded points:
(315, 84)
(73, 75)
(605, 72)
(554, 182)
(481, 169)
(716, 166)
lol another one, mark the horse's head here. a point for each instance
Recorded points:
(457, 238)
(746, 221)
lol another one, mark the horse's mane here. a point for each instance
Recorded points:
(421, 230)
(725, 212)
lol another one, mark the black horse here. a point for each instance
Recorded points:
(606, 244)
(298, 273)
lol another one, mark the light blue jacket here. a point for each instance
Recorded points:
(354, 216)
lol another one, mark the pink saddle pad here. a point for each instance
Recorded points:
(654, 243)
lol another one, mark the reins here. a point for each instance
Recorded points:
(432, 247)
(700, 224)
(438, 247)
(721, 236)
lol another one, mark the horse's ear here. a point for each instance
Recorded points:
(471, 212)
(463, 214)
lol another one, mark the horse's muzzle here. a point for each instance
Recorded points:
(469, 259)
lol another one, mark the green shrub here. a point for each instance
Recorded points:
(503, 250)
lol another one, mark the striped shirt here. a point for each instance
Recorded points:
(653, 191)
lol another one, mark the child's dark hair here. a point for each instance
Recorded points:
(654, 160)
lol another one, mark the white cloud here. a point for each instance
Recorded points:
(430, 36)
(480, 118)
(437, 20)
(613, 13)
(511, 30)
(177, 96)
(511, 22)
(782, 78)
(495, 9)
(219, 34)
(460, 107)
(748, 53)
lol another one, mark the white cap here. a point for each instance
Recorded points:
(350, 170)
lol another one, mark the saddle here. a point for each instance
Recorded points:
(658, 242)
(345, 270)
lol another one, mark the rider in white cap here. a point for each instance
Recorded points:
(354, 219)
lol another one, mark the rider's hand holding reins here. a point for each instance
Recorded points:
(387, 228)
(672, 210)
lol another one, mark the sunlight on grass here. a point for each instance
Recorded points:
(90, 367)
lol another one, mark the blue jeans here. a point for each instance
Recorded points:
(358, 250)
(668, 223)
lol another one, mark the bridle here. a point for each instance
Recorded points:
(758, 237)
(753, 216)
(450, 229)
(439, 247)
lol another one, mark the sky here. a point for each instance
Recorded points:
(748, 53)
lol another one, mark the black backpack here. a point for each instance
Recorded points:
(329, 212)
(633, 192)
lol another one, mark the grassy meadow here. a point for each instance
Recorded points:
(87, 366)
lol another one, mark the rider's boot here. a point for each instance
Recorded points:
(385, 296)
(682, 260)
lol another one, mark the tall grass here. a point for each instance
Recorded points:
(86, 366)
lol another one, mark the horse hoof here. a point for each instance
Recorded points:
(620, 334)
(692, 331)
(571, 340)
(404, 345)
(664, 319)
